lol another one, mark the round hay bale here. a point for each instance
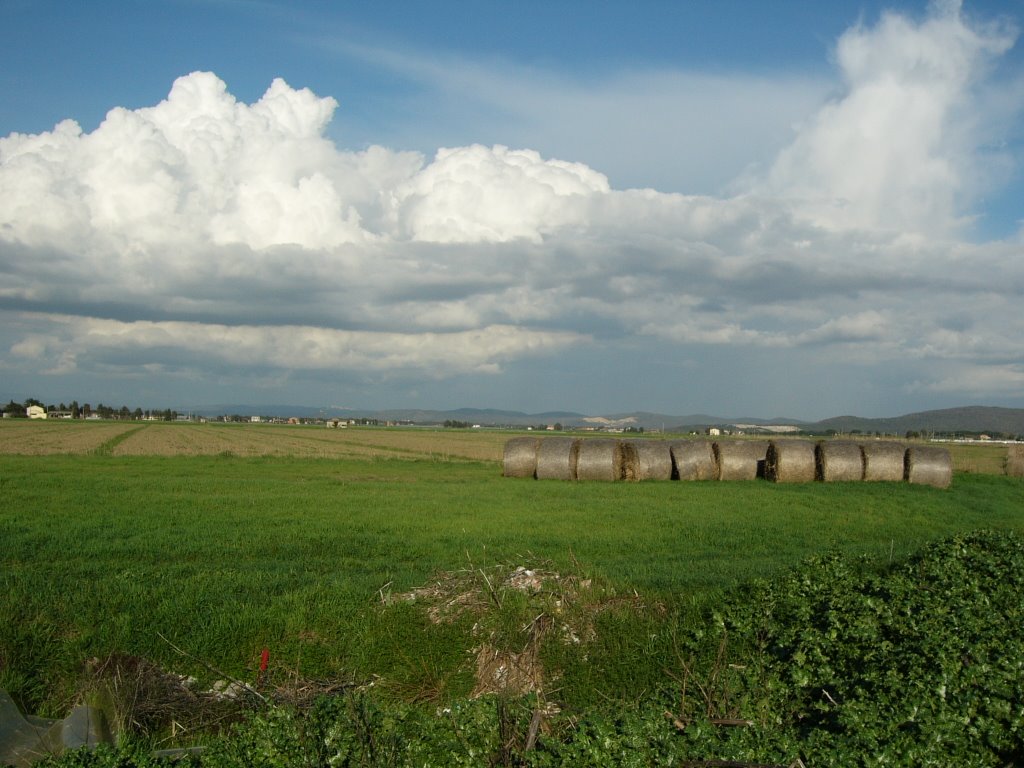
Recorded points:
(556, 458)
(599, 460)
(839, 462)
(521, 457)
(1015, 460)
(790, 461)
(884, 461)
(741, 459)
(694, 460)
(929, 465)
(653, 460)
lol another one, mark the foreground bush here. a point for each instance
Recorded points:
(839, 662)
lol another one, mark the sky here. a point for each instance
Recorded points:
(784, 210)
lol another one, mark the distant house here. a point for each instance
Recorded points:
(35, 412)
(255, 419)
(714, 431)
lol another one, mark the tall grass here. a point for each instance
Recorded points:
(223, 556)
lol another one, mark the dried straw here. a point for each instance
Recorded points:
(521, 457)
(884, 461)
(839, 462)
(790, 461)
(929, 465)
(1015, 460)
(741, 459)
(630, 460)
(653, 460)
(599, 460)
(694, 460)
(556, 458)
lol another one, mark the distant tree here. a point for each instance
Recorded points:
(558, 427)
(86, 410)
(913, 434)
(14, 410)
(76, 412)
(33, 401)
(137, 414)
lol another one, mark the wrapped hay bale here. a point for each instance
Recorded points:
(1015, 460)
(741, 459)
(521, 457)
(694, 460)
(884, 461)
(599, 460)
(653, 460)
(556, 458)
(840, 462)
(929, 465)
(790, 461)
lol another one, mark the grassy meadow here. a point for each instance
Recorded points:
(197, 546)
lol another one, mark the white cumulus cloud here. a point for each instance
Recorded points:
(204, 233)
(899, 148)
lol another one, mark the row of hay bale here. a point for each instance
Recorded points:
(800, 461)
(781, 461)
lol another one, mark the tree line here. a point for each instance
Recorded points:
(85, 411)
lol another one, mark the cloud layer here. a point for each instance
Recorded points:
(205, 234)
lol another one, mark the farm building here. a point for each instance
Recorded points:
(35, 412)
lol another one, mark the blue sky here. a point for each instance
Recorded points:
(744, 208)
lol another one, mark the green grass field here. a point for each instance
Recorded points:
(223, 555)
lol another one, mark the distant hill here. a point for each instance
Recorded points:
(975, 418)
(1009, 421)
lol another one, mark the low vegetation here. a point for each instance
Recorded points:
(417, 608)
